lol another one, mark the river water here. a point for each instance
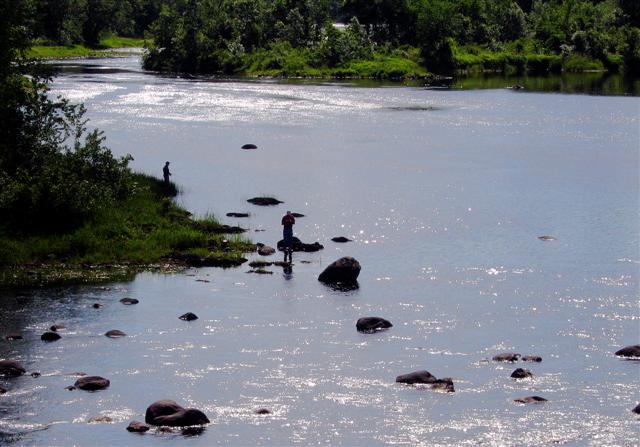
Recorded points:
(444, 192)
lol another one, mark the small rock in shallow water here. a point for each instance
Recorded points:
(340, 239)
(265, 250)
(91, 383)
(532, 358)
(445, 384)
(137, 427)
(2, 390)
(249, 146)
(99, 419)
(57, 327)
(521, 373)
(129, 301)
(530, 400)
(50, 336)
(97, 306)
(189, 316)
(636, 409)
(372, 324)
(506, 357)
(70, 388)
(297, 215)
(13, 337)
(546, 238)
(264, 201)
(167, 412)
(416, 377)
(115, 333)
(35, 374)
(629, 351)
(262, 411)
(237, 214)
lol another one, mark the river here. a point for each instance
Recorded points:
(444, 192)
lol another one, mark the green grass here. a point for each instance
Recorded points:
(144, 229)
(106, 46)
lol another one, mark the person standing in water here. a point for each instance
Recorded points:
(288, 221)
(165, 172)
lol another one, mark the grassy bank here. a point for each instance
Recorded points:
(107, 45)
(146, 230)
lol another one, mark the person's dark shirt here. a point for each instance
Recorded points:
(288, 221)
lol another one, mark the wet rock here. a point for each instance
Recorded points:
(261, 271)
(416, 377)
(517, 87)
(445, 384)
(340, 239)
(237, 214)
(506, 357)
(70, 388)
(530, 400)
(298, 245)
(91, 383)
(167, 412)
(372, 324)
(50, 336)
(97, 306)
(13, 337)
(546, 238)
(193, 260)
(77, 374)
(521, 373)
(532, 358)
(100, 419)
(2, 390)
(164, 430)
(629, 351)
(264, 201)
(249, 146)
(297, 215)
(262, 411)
(35, 374)
(344, 270)
(192, 431)
(129, 301)
(57, 327)
(636, 409)
(265, 250)
(189, 316)
(137, 427)
(115, 333)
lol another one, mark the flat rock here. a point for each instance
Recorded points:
(189, 316)
(264, 201)
(237, 214)
(416, 377)
(11, 368)
(372, 324)
(249, 146)
(100, 419)
(298, 245)
(129, 301)
(91, 383)
(137, 427)
(521, 373)
(531, 358)
(344, 270)
(13, 337)
(546, 238)
(530, 400)
(629, 351)
(340, 239)
(297, 215)
(115, 333)
(50, 336)
(506, 357)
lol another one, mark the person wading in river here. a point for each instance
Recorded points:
(165, 173)
(288, 221)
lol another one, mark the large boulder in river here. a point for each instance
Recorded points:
(298, 245)
(416, 377)
(344, 270)
(168, 412)
(91, 383)
(50, 336)
(11, 368)
(372, 324)
(629, 351)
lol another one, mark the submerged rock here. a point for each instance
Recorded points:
(11, 368)
(35, 374)
(445, 384)
(115, 333)
(532, 358)
(50, 336)
(344, 270)
(2, 390)
(416, 377)
(92, 383)
(265, 250)
(372, 324)
(168, 412)
(129, 301)
(100, 419)
(521, 373)
(249, 146)
(264, 201)
(530, 400)
(189, 316)
(13, 337)
(262, 411)
(636, 409)
(506, 357)
(546, 238)
(57, 327)
(97, 306)
(297, 215)
(298, 245)
(137, 427)
(237, 214)
(629, 351)
(340, 239)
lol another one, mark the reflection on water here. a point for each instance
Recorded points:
(444, 194)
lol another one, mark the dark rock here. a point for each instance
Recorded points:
(261, 271)
(115, 333)
(445, 384)
(137, 427)
(262, 411)
(100, 419)
(506, 357)
(237, 214)
(218, 228)
(416, 377)
(57, 327)
(11, 368)
(521, 373)
(77, 374)
(344, 270)
(530, 400)
(164, 430)
(340, 239)
(372, 324)
(264, 201)
(265, 250)
(129, 301)
(193, 260)
(12, 337)
(97, 306)
(2, 390)
(517, 87)
(636, 409)
(532, 358)
(546, 238)
(298, 245)
(192, 431)
(249, 146)
(35, 374)
(629, 351)
(189, 316)
(50, 336)
(297, 215)
(70, 388)
(167, 412)
(91, 383)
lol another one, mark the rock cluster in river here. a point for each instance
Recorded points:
(298, 245)
(169, 413)
(426, 378)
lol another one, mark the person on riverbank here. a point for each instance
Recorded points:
(288, 221)
(165, 173)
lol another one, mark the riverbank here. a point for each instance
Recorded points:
(146, 231)
(108, 46)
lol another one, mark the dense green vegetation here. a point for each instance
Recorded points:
(106, 47)
(64, 196)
